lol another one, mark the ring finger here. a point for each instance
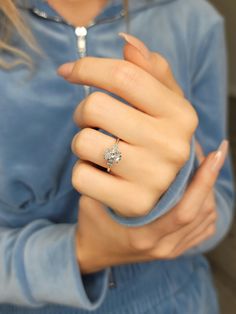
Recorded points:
(90, 145)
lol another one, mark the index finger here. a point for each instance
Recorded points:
(125, 80)
(201, 185)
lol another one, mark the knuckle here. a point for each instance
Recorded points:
(163, 184)
(93, 107)
(162, 252)
(137, 210)
(141, 206)
(80, 142)
(209, 209)
(76, 112)
(94, 98)
(181, 152)
(79, 175)
(80, 67)
(74, 144)
(86, 203)
(184, 217)
(164, 66)
(193, 119)
(124, 73)
(140, 243)
(189, 117)
(96, 106)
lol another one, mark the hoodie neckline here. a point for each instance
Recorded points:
(112, 4)
(113, 9)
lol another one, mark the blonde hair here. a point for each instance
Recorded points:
(10, 20)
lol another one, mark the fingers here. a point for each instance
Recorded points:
(197, 232)
(103, 111)
(159, 234)
(96, 184)
(205, 235)
(136, 52)
(186, 211)
(189, 213)
(124, 197)
(126, 80)
(201, 184)
(189, 221)
(90, 145)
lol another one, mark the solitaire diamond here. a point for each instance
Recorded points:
(112, 155)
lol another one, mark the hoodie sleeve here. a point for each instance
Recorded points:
(209, 96)
(38, 266)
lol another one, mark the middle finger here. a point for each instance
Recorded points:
(103, 111)
(90, 145)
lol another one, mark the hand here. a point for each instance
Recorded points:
(102, 242)
(155, 131)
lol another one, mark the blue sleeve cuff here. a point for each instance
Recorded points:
(93, 286)
(169, 199)
(53, 272)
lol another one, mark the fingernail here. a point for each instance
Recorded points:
(65, 69)
(220, 155)
(136, 43)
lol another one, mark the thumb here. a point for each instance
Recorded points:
(136, 52)
(203, 181)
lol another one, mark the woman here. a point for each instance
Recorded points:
(142, 215)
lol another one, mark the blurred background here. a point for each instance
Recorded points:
(223, 259)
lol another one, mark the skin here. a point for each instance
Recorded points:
(88, 10)
(153, 155)
(154, 152)
(101, 242)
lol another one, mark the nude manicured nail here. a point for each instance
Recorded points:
(138, 44)
(220, 155)
(65, 69)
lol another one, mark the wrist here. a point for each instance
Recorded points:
(88, 263)
(81, 257)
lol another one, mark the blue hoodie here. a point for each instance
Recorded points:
(39, 272)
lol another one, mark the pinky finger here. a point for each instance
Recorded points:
(207, 234)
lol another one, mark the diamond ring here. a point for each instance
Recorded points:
(112, 155)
